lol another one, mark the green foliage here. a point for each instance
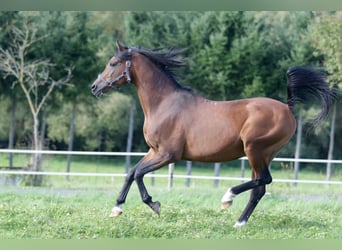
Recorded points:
(108, 127)
(103, 124)
(23, 122)
(157, 27)
(326, 33)
(231, 55)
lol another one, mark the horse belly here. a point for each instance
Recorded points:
(214, 145)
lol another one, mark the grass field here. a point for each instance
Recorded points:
(189, 213)
(79, 208)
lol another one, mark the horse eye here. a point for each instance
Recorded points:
(113, 64)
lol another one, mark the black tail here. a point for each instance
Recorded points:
(305, 84)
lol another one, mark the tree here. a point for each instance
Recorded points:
(6, 19)
(326, 33)
(33, 77)
(296, 43)
(214, 67)
(78, 47)
(108, 129)
(231, 54)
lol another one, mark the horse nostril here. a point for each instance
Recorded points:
(93, 87)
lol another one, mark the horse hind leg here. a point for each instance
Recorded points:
(260, 178)
(227, 199)
(256, 194)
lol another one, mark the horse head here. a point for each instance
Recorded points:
(116, 72)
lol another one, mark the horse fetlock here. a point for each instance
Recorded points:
(227, 199)
(240, 224)
(116, 211)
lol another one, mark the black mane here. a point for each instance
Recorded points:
(165, 60)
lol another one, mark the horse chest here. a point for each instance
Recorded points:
(159, 130)
(151, 134)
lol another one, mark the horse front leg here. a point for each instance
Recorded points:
(156, 161)
(150, 162)
(117, 210)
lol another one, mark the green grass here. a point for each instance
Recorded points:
(189, 213)
(79, 208)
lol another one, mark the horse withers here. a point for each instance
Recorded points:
(181, 125)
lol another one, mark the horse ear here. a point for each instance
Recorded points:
(119, 46)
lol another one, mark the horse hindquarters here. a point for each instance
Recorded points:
(262, 142)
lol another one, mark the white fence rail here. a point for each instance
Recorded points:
(170, 175)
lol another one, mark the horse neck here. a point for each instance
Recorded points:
(153, 85)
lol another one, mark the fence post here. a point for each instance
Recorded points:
(130, 136)
(243, 168)
(170, 182)
(331, 143)
(188, 172)
(217, 173)
(152, 178)
(298, 143)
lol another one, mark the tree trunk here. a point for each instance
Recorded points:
(42, 130)
(71, 138)
(41, 140)
(130, 136)
(35, 142)
(298, 143)
(331, 143)
(12, 130)
(34, 165)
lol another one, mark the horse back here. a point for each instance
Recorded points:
(221, 131)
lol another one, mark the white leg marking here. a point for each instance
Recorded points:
(228, 196)
(239, 224)
(116, 211)
(227, 199)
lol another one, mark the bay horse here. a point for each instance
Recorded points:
(181, 125)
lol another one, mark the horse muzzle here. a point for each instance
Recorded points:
(95, 90)
(100, 86)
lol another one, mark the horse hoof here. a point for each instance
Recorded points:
(226, 204)
(116, 211)
(227, 199)
(156, 207)
(240, 224)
